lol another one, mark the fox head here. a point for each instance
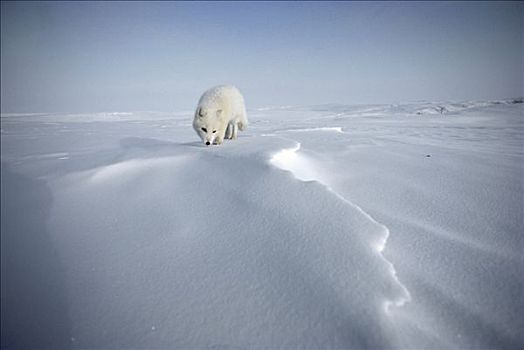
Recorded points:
(208, 124)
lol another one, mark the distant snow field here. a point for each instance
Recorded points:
(321, 227)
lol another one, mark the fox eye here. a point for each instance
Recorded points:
(214, 131)
(204, 129)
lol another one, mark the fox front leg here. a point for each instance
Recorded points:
(229, 131)
(235, 130)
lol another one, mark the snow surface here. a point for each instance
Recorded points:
(387, 226)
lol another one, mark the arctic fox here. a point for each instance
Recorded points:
(219, 114)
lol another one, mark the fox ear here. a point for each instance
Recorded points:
(219, 112)
(201, 112)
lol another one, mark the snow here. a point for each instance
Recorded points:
(320, 227)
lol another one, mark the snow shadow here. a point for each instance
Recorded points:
(466, 323)
(34, 308)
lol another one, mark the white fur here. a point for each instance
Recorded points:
(220, 109)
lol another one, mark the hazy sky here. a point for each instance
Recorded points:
(128, 56)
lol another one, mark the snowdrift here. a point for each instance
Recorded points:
(320, 227)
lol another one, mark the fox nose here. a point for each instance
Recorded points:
(207, 143)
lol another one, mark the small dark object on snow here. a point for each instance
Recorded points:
(428, 155)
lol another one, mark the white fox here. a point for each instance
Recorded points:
(219, 114)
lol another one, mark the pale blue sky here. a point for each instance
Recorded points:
(128, 56)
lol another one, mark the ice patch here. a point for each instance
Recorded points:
(334, 129)
(271, 108)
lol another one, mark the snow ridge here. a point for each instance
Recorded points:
(290, 160)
